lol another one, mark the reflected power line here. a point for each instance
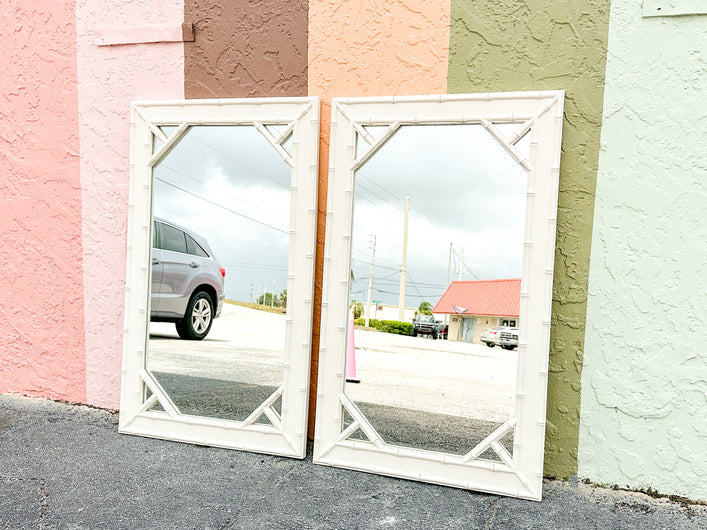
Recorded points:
(220, 206)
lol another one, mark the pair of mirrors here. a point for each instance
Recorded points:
(429, 199)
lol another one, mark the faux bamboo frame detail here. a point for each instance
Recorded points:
(286, 434)
(539, 114)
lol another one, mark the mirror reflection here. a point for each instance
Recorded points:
(221, 205)
(436, 263)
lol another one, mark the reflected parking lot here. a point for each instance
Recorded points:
(432, 394)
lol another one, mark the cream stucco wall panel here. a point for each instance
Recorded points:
(41, 336)
(109, 77)
(644, 382)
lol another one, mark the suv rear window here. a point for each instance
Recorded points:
(172, 239)
(194, 248)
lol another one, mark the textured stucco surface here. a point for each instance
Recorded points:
(109, 78)
(41, 336)
(368, 48)
(644, 383)
(243, 48)
(545, 45)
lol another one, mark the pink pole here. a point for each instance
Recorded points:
(351, 356)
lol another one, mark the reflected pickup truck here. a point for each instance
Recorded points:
(509, 338)
(425, 325)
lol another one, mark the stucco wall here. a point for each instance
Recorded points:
(363, 48)
(644, 383)
(544, 45)
(41, 336)
(246, 49)
(109, 77)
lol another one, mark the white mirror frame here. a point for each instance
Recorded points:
(521, 474)
(287, 434)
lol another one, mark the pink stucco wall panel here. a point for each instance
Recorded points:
(109, 78)
(41, 330)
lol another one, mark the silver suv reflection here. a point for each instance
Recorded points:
(187, 281)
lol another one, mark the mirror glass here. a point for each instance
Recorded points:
(436, 262)
(221, 206)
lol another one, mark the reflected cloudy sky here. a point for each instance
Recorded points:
(464, 189)
(229, 185)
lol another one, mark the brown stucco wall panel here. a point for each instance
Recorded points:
(243, 48)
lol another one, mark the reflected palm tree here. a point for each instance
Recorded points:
(357, 308)
(425, 308)
(354, 306)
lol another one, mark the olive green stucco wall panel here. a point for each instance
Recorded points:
(504, 45)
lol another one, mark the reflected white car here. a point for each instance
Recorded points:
(187, 281)
(492, 337)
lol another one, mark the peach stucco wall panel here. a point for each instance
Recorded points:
(373, 48)
(42, 335)
(109, 78)
(368, 48)
(243, 48)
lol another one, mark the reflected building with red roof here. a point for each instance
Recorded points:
(479, 305)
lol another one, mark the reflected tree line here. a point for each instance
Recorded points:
(274, 300)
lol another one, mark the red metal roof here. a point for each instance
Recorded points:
(488, 297)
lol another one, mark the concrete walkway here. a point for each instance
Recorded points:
(66, 466)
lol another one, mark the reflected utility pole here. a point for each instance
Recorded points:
(449, 270)
(449, 264)
(370, 284)
(404, 268)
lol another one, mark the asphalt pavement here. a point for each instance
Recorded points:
(66, 466)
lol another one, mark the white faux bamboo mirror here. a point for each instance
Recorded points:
(220, 267)
(443, 205)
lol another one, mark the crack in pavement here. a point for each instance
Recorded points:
(44, 504)
(492, 514)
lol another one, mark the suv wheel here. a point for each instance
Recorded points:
(198, 318)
